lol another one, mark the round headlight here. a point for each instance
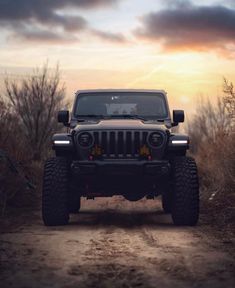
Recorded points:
(155, 139)
(85, 140)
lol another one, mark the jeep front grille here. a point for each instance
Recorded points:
(120, 144)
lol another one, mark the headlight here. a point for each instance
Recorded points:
(155, 139)
(184, 142)
(85, 140)
(61, 142)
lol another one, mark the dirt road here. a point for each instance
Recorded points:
(114, 243)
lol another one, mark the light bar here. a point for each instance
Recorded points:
(62, 142)
(179, 141)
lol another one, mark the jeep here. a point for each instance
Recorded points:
(120, 142)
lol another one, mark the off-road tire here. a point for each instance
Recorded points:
(185, 201)
(55, 192)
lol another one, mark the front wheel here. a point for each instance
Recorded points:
(55, 192)
(185, 201)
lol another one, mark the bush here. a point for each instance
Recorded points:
(28, 118)
(212, 134)
(35, 102)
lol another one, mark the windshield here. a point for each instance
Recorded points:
(117, 104)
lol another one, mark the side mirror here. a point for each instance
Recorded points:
(63, 117)
(178, 117)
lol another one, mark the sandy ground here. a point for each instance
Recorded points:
(114, 243)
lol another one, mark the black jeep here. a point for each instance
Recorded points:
(119, 142)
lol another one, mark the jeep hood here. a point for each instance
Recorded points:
(121, 124)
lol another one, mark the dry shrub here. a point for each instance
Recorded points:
(216, 162)
(36, 100)
(28, 118)
(12, 181)
(213, 145)
(11, 139)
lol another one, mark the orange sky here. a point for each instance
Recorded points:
(184, 47)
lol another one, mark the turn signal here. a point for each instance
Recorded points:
(144, 151)
(96, 151)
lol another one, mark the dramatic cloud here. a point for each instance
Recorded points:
(40, 35)
(41, 9)
(108, 36)
(193, 28)
(35, 19)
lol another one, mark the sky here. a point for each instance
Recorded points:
(181, 46)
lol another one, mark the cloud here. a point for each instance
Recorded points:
(192, 28)
(108, 36)
(40, 19)
(179, 4)
(40, 35)
(41, 9)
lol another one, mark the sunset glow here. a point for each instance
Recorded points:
(183, 47)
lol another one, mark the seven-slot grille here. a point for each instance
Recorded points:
(120, 144)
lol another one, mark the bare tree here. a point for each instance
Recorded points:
(229, 100)
(213, 138)
(209, 121)
(36, 100)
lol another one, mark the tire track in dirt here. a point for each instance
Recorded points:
(114, 243)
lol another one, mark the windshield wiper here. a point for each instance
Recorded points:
(81, 118)
(90, 115)
(128, 116)
(160, 120)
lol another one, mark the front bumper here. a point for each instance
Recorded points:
(121, 167)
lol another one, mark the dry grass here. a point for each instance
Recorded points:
(28, 118)
(213, 137)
